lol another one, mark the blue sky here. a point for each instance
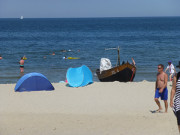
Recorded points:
(88, 8)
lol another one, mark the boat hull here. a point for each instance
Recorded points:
(122, 73)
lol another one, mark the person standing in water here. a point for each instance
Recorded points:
(21, 63)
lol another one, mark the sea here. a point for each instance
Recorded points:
(149, 40)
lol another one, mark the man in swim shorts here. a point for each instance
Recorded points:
(21, 62)
(161, 88)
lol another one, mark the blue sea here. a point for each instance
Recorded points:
(150, 41)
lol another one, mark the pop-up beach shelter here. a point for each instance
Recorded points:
(33, 82)
(78, 77)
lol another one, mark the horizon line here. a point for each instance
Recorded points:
(85, 17)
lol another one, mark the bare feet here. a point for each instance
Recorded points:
(159, 110)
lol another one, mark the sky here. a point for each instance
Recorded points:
(88, 8)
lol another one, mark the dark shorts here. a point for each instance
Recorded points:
(163, 95)
(178, 117)
(21, 66)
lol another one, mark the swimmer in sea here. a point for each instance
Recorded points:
(21, 63)
(65, 57)
(63, 50)
(0, 57)
(24, 57)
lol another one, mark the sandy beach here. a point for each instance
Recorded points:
(112, 108)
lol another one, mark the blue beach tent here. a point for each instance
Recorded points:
(33, 82)
(78, 77)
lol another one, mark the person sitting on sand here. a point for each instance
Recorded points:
(171, 70)
(161, 88)
(21, 62)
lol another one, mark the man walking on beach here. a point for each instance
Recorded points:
(21, 62)
(161, 88)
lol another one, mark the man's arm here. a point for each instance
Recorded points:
(156, 84)
(166, 69)
(165, 80)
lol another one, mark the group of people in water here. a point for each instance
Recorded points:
(21, 62)
(162, 91)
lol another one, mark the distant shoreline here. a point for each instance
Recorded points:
(91, 17)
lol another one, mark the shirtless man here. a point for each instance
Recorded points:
(21, 62)
(161, 88)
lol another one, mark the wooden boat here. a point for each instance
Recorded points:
(122, 73)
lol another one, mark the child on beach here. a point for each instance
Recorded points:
(172, 70)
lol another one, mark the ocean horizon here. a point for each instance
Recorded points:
(89, 17)
(149, 40)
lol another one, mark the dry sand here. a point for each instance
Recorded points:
(97, 109)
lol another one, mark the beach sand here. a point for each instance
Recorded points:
(111, 108)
